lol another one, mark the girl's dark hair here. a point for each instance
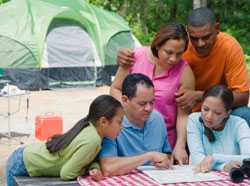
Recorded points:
(174, 31)
(222, 92)
(208, 132)
(226, 96)
(103, 106)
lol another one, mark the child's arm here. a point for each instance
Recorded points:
(95, 170)
(77, 164)
(95, 165)
(194, 139)
(96, 174)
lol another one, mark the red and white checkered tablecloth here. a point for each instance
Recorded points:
(137, 178)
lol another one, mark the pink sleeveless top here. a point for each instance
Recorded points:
(165, 86)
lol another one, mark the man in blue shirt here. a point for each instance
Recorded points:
(143, 139)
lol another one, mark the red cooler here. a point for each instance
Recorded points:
(47, 126)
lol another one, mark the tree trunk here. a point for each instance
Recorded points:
(123, 9)
(143, 15)
(173, 11)
(199, 3)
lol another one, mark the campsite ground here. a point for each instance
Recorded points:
(72, 104)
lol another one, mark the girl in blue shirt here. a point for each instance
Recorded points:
(216, 139)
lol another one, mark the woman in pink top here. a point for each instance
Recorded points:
(163, 64)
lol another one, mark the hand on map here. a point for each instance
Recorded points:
(95, 174)
(232, 164)
(162, 160)
(205, 165)
(180, 155)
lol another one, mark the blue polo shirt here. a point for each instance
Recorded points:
(133, 140)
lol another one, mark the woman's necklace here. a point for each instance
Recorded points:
(158, 70)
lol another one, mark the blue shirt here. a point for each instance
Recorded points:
(231, 144)
(133, 140)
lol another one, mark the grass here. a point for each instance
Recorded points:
(247, 57)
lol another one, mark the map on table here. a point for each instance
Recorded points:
(179, 174)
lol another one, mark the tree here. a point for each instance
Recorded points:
(3, 1)
(199, 3)
(145, 17)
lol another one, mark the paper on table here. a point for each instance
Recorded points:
(179, 174)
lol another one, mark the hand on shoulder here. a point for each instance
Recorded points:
(125, 57)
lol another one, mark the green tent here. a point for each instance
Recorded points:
(59, 40)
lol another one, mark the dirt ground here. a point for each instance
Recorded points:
(71, 104)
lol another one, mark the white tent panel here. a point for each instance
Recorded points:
(69, 45)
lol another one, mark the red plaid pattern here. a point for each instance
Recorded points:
(137, 178)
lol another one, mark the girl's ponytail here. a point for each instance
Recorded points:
(58, 142)
(103, 106)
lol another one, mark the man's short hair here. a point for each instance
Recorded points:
(131, 82)
(201, 16)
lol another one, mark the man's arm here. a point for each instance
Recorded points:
(236, 75)
(112, 166)
(187, 98)
(240, 98)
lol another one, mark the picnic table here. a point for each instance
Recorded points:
(135, 178)
(42, 181)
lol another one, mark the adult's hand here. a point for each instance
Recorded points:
(180, 155)
(125, 57)
(232, 164)
(186, 98)
(205, 165)
(161, 160)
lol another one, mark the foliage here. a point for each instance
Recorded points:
(247, 57)
(3, 1)
(146, 16)
(234, 18)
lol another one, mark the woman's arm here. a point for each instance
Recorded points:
(116, 87)
(243, 137)
(187, 81)
(241, 132)
(226, 158)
